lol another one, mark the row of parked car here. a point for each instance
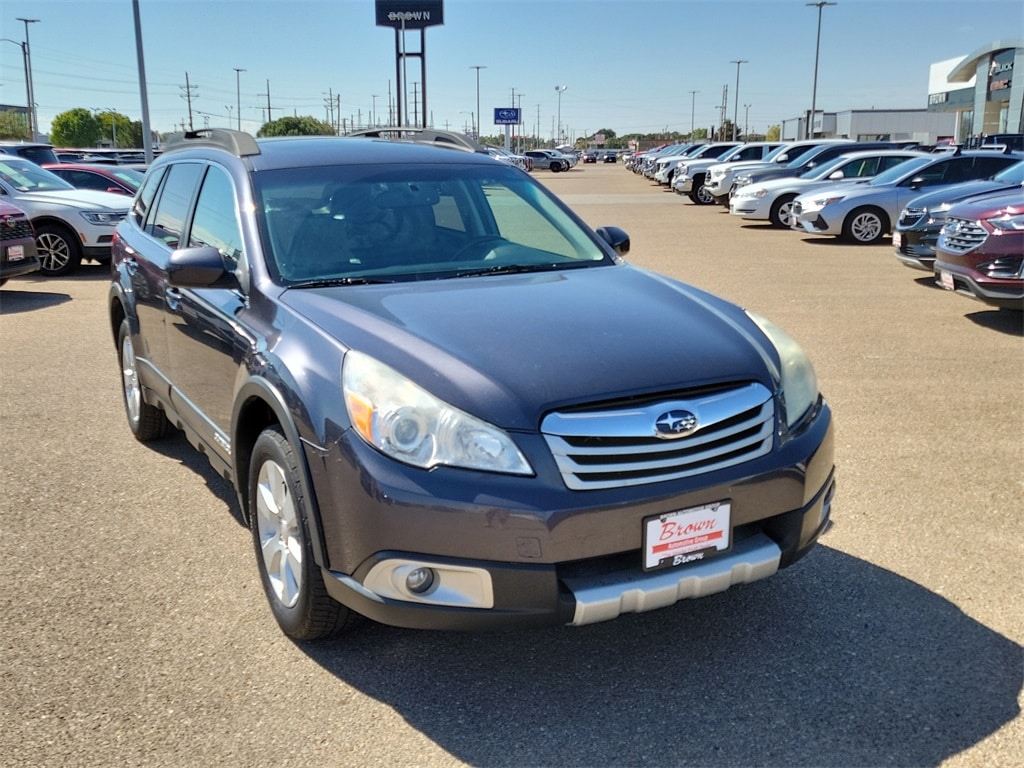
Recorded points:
(956, 213)
(64, 212)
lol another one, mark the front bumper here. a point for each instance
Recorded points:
(1005, 294)
(916, 247)
(748, 207)
(527, 552)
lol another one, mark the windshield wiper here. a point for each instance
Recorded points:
(328, 282)
(516, 269)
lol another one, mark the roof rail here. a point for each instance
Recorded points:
(423, 136)
(237, 142)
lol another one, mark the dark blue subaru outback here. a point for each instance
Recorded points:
(444, 401)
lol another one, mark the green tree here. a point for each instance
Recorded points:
(296, 126)
(13, 125)
(773, 134)
(77, 127)
(118, 129)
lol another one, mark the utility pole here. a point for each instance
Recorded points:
(189, 92)
(33, 115)
(478, 67)
(693, 105)
(817, 49)
(736, 108)
(238, 94)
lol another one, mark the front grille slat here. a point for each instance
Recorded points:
(961, 235)
(612, 448)
(20, 230)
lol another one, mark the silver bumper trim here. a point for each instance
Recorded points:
(610, 596)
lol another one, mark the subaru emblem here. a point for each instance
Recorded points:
(674, 424)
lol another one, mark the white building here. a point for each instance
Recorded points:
(968, 96)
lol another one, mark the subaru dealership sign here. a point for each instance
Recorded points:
(506, 115)
(410, 14)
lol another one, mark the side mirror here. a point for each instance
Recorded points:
(917, 182)
(835, 175)
(201, 267)
(616, 238)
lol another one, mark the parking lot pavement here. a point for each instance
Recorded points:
(135, 631)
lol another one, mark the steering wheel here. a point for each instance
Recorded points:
(477, 248)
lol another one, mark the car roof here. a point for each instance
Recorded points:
(308, 151)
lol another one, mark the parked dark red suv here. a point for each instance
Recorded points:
(980, 252)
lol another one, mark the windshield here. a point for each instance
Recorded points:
(1012, 175)
(29, 177)
(822, 171)
(347, 224)
(898, 172)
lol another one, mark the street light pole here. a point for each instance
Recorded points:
(693, 104)
(817, 48)
(736, 107)
(238, 95)
(559, 89)
(478, 67)
(33, 116)
(746, 120)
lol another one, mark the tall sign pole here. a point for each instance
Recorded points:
(404, 15)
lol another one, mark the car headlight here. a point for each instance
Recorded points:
(799, 384)
(407, 423)
(1008, 223)
(750, 191)
(820, 202)
(109, 218)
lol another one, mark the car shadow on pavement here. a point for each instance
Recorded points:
(1005, 321)
(834, 662)
(13, 301)
(176, 446)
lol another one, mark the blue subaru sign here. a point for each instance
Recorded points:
(506, 115)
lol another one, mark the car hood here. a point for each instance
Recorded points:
(959, 192)
(510, 348)
(84, 199)
(747, 165)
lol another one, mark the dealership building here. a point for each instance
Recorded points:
(973, 95)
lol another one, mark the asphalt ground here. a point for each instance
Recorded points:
(135, 631)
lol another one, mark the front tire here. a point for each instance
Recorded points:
(291, 578)
(865, 226)
(781, 214)
(701, 196)
(145, 421)
(59, 250)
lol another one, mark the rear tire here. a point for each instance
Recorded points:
(145, 421)
(291, 578)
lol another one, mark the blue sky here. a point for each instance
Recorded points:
(628, 65)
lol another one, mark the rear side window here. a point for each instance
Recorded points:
(167, 223)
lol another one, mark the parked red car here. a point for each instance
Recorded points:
(18, 254)
(106, 178)
(980, 252)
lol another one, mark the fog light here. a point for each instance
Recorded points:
(420, 580)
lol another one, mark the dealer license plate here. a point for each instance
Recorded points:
(15, 252)
(946, 279)
(686, 536)
(897, 240)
